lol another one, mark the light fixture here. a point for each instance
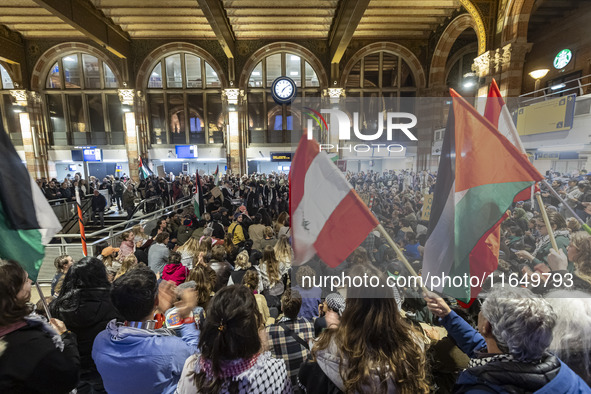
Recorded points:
(126, 108)
(470, 80)
(562, 148)
(294, 58)
(539, 74)
(559, 86)
(294, 73)
(18, 109)
(256, 73)
(69, 59)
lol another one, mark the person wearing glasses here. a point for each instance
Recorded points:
(543, 244)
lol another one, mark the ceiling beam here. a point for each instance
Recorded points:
(347, 18)
(216, 16)
(90, 22)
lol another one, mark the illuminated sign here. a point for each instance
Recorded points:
(281, 156)
(93, 154)
(562, 59)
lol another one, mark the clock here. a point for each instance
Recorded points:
(283, 90)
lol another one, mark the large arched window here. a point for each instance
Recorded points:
(82, 102)
(380, 82)
(184, 101)
(269, 122)
(9, 117)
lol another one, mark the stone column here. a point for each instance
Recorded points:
(28, 106)
(332, 97)
(235, 141)
(127, 97)
(510, 62)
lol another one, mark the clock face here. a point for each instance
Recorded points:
(283, 90)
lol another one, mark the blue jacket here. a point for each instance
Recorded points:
(132, 360)
(496, 376)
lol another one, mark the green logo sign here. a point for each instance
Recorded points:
(562, 59)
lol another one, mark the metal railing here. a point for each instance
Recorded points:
(70, 244)
(583, 84)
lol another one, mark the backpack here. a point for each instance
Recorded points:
(118, 188)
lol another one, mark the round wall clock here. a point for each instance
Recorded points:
(283, 90)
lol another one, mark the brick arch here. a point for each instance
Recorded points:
(441, 53)
(278, 47)
(393, 48)
(141, 81)
(54, 53)
(516, 20)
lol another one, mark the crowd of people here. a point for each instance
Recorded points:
(211, 303)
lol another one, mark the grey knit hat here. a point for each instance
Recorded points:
(336, 302)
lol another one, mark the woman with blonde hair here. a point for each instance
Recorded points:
(241, 266)
(128, 263)
(274, 276)
(283, 251)
(139, 236)
(189, 251)
(372, 350)
(205, 245)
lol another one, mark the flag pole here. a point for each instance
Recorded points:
(546, 221)
(42, 297)
(400, 255)
(81, 223)
(555, 193)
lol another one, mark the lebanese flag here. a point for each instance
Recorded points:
(480, 173)
(327, 216)
(27, 221)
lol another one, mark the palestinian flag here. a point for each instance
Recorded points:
(198, 202)
(216, 176)
(27, 222)
(479, 175)
(145, 172)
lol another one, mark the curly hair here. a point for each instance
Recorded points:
(12, 279)
(376, 342)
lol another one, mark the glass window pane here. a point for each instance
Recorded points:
(275, 121)
(370, 71)
(293, 65)
(6, 80)
(273, 68)
(174, 78)
(155, 80)
(196, 119)
(353, 80)
(406, 77)
(176, 118)
(157, 118)
(115, 112)
(256, 118)
(211, 77)
(56, 112)
(311, 77)
(389, 71)
(110, 79)
(71, 71)
(215, 118)
(95, 112)
(77, 121)
(92, 75)
(256, 77)
(193, 67)
(53, 78)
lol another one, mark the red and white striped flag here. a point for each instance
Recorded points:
(327, 216)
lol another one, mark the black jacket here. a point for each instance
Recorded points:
(31, 363)
(99, 203)
(86, 313)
